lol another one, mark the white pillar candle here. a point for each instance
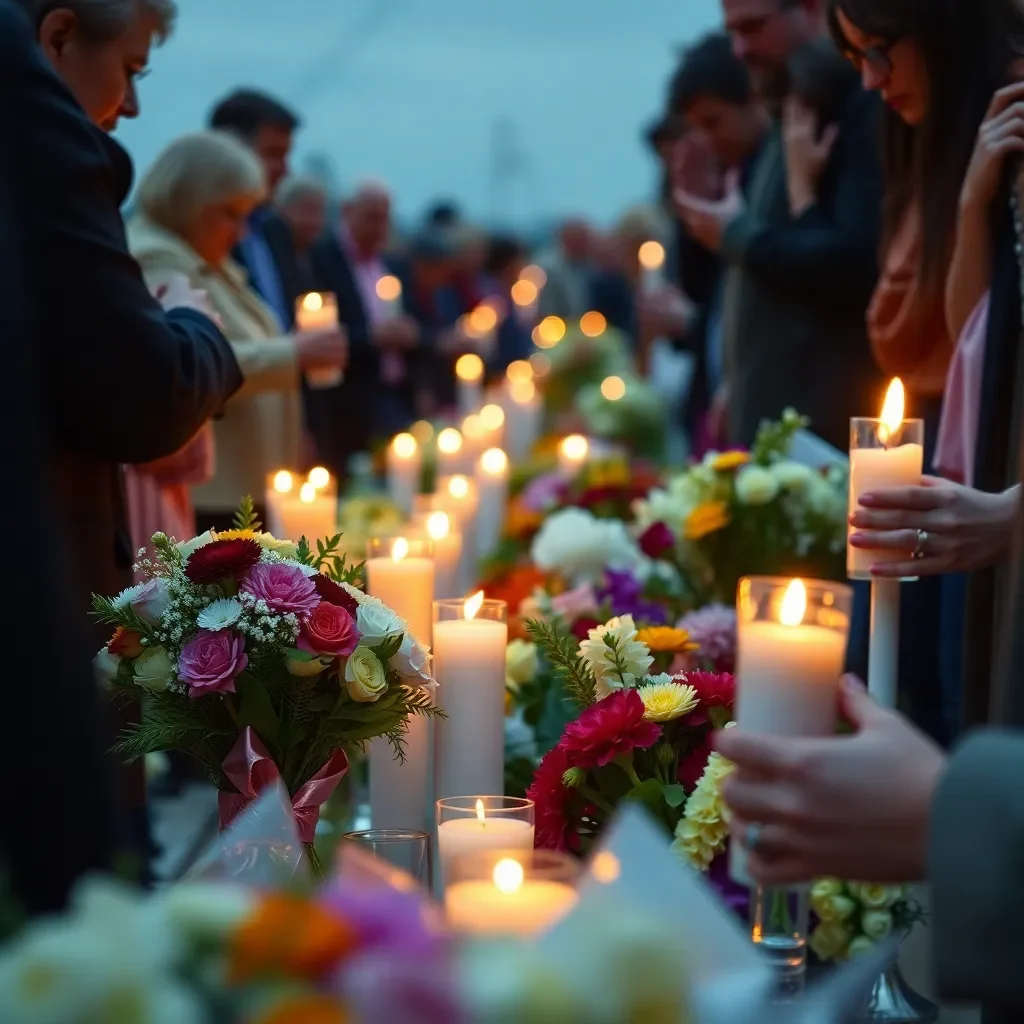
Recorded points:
(404, 470)
(318, 311)
(524, 414)
(469, 374)
(447, 553)
(307, 512)
(480, 833)
(526, 297)
(450, 452)
(492, 425)
(458, 496)
(469, 665)
(400, 572)
(652, 262)
(792, 645)
(573, 453)
(492, 485)
(389, 296)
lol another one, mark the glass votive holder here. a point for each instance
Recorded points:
(407, 850)
(882, 456)
(512, 892)
(476, 824)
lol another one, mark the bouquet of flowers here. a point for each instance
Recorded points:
(625, 409)
(741, 513)
(262, 660)
(641, 735)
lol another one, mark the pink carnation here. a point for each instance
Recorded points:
(611, 728)
(552, 798)
(571, 604)
(285, 588)
(211, 661)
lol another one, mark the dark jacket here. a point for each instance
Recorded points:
(796, 290)
(125, 381)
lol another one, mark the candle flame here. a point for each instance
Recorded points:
(313, 301)
(494, 461)
(389, 288)
(575, 447)
(400, 549)
(519, 370)
(472, 609)
(449, 441)
(492, 417)
(469, 368)
(651, 255)
(892, 410)
(508, 876)
(480, 812)
(458, 487)
(307, 493)
(794, 604)
(404, 446)
(438, 525)
(319, 477)
(523, 392)
(283, 482)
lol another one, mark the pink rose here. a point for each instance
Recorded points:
(285, 588)
(211, 661)
(573, 603)
(328, 629)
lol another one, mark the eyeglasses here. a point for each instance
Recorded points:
(877, 58)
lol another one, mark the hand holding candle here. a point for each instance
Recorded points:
(318, 311)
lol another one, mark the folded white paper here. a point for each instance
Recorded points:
(813, 452)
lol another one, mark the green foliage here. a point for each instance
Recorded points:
(245, 517)
(774, 437)
(328, 555)
(560, 650)
(104, 609)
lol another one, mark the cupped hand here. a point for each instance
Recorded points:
(854, 806)
(963, 528)
(1001, 133)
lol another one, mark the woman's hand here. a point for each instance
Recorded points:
(1001, 133)
(807, 153)
(847, 806)
(322, 349)
(966, 529)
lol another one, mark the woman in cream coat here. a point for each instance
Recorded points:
(191, 212)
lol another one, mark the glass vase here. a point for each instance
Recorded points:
(779, 921)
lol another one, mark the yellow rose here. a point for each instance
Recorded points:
(876, 896)
(876, 924)
(835, 908)
(705, 519)
(521, 663)
(825, 887)
(365, 678)
(829, 940)
(153, 669)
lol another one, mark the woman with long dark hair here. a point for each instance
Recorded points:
(943, 68)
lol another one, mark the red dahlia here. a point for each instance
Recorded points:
(714, 690)
(335, 594)
(611, 728)
(222, 559)
(554, 830)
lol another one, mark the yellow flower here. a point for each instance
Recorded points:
(236, 535)
(704, 827)
(729, 460)
(666, 640)
(521, 663)
(665, 699)
(706, 519)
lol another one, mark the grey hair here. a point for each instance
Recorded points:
(100, 21)
(291, 190)
(195, 172)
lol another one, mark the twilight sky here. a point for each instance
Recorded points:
(521, 110)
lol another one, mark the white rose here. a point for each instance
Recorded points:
(876, 924)
(152, 601)
(104, 668)
(412, 662)
(153, 669)
(755, 485)
(577, 543)
(376, 621)
(792, 476)
(365, 677)
(186, 547)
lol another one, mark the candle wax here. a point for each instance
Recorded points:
(404, 479)
(459, 836)
(290, 518)
(407, 588)
(480, 908)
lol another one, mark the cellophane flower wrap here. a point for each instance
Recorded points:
(260, 658)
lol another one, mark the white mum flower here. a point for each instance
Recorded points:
(755, 485)
(634, 656)
(220, 614)
(577, 543)
(792, 476)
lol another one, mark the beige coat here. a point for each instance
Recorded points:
(261, 427)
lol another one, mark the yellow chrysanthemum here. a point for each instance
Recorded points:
(706, 519)
(668, 700)
(236, 535)
(666, 640)
(729, 460)
(704, 826)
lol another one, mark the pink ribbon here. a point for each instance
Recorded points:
(251, 769)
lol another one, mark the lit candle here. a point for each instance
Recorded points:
(573, 453)
(459, 497)
(887, 452)
(405, 467)
(473, 435)
(652, 262)
(792, 644)
(508, 903)
(318, 311)
(469, 373)
(447, 554)
(525, 296)
(524, 413)
(492, 485)
(400, 572)
(480, 832)
(319, 477)
(469, 664)
(310, 513)
(450, 446)
(389, 295)
(480, 326)
(492, 425)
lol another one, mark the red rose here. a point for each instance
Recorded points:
(335, 594)
(656, 540)
(125, 643)
(222, 559)
(692, 765)
(714, 690)
(554, 830)
(581, 628)
(328, 629)
(611, 728)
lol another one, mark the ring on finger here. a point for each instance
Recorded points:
(919, 549)
(752, 836)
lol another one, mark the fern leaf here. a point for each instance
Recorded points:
(245, 517)
(560, 650)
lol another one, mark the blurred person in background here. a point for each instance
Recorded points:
(443, 215)
(193, 205)
(506, 258)
(302, 203)
(570, 272)
(375, 398)
(265, 249)
(471, 246)
(796, 287)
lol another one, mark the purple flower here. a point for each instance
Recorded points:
(544, 492)
(624, 592)
(211, 661)
(713, 627)
(284, 588)
(736, 897)
(656, 540)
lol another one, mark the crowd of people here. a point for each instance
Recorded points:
(158, 373)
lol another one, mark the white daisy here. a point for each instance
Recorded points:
(220, 614)
(126, 597)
